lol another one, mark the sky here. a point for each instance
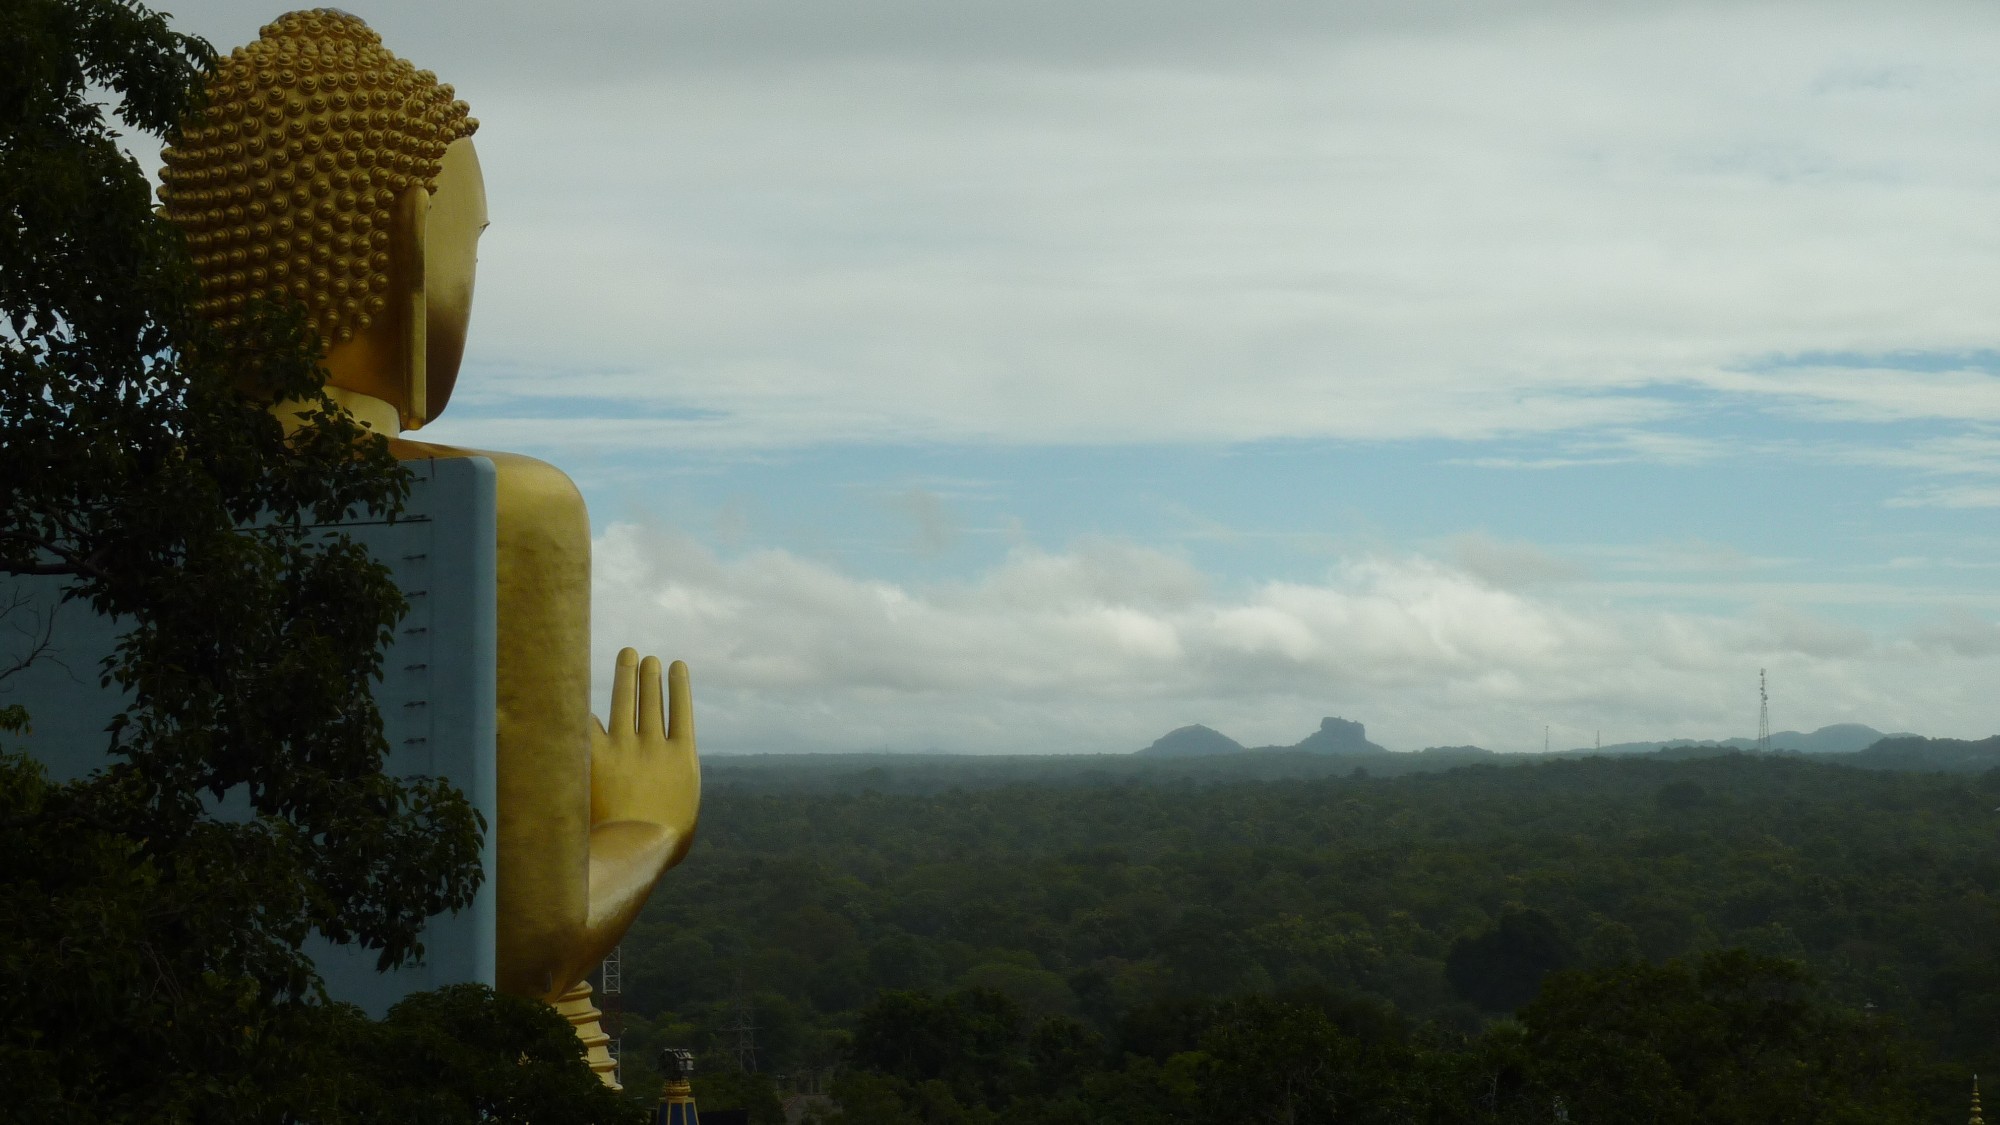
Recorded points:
(1038, 377)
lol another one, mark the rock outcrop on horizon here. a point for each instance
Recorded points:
(1334, 736)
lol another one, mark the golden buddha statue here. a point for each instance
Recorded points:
(327, 171)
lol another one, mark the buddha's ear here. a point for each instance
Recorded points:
(407, 235)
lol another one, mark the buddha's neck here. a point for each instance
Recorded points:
(374, 413)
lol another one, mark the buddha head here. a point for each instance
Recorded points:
(326, 171)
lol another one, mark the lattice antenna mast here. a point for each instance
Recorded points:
(614, 972)
(1763, 714)
(612, 977)
(743, 1027)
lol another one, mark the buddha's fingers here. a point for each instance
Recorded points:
(680, 716)
(651, 723)
(624, 685)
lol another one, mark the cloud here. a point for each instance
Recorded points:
(1510, 565)
(936, 529)
(1874, 393)
(783, 222)
(1787, 629)
(1962, 633)
(1689, 556)
(1973, 453)
(1104, 646)
(1949, 496)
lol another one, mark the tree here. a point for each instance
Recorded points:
(150, 963)
(736, 1089)
(1727, 1037)
(969, 1040)
(1500, 969)
(465, 1055)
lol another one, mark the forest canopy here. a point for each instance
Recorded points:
(1427, 914)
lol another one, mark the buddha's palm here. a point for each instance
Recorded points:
(645, 794)
(642, 761)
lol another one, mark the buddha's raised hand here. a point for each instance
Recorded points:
(643, 764)
(645, 794)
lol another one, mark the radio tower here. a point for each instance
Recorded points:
(613, 980)
(743, 1028)
(1763, 715)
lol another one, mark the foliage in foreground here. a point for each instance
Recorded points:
(150, 945)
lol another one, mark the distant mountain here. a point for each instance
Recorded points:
(1335, 736)
(1195, 741)
(1840, 738)
(1447, 756)
(1941, 755)
(1846, 744)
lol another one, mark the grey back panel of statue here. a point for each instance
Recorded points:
(436, 697)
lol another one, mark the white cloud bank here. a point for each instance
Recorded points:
(1106, 646)
(788, 222)
(1168, 221)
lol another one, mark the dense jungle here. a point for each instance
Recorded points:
(1663, 937)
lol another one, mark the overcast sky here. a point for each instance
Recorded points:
(1042, 376)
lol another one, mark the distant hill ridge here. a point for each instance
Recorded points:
(1840, 738)
(1853, 744)
(1943, 755)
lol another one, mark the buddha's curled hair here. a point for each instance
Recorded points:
(286, 182)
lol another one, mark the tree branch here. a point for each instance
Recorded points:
(41, 633)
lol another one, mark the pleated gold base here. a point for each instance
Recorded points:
(576, 1007)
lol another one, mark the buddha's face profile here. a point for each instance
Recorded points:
(452, 228)
(328, 172)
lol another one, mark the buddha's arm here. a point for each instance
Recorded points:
(543, 744)
(589, 815)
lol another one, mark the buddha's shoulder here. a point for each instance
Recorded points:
(519, 479)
